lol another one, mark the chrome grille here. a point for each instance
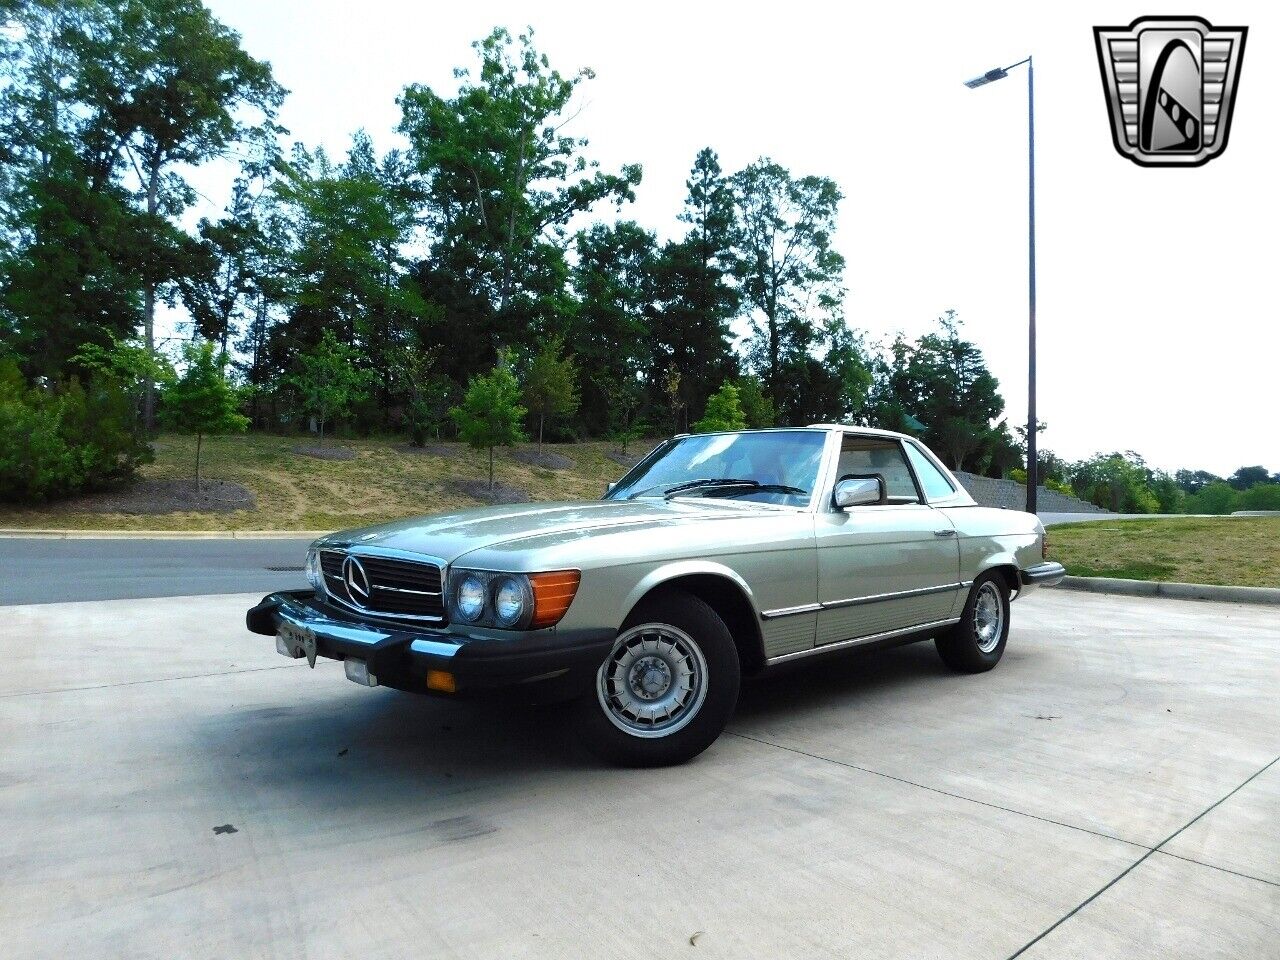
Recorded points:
(397, 588)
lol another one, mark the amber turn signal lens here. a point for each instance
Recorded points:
(552, 594)
(441, 680)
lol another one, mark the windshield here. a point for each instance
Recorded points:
(777, 466)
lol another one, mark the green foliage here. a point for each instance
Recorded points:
(202, 400)
(1246, 477)
(490, 413)
(757, 409)
(329, 380)
(1117, 481)
(1218, 497)
(785, 267)
(724, 412)
(58, 443)
(942, 380)
(551, 385)
(622, 401)
(502, 182)
(1261, 496)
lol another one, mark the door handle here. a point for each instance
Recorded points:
(949, 532)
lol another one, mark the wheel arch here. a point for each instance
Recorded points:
(1005, 568)
(720, 588)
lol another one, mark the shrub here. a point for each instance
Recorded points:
(1215, 498)
(1261, 496)
(723, 412)
(59, 442)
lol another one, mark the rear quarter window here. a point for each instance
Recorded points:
(936, 486)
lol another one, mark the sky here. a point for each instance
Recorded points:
(1156, 312)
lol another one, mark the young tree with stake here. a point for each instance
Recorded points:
(551, 386)
(202, 401)
(490, 413)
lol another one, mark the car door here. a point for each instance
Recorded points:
(883, 567)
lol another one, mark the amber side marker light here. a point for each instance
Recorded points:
(441, 680)
(552, 594)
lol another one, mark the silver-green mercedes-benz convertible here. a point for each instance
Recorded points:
(717, 555)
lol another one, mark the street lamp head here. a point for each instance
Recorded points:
(998, 73)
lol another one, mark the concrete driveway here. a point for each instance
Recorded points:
(170, 787)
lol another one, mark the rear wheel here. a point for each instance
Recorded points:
(667, 688)
(977, 642)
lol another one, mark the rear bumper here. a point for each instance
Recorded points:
(1047, 574)
(549, 662)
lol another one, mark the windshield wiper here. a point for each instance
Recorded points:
(715, 482)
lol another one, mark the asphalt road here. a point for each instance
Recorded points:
(171, 787)
(54, 571)
(57, 571)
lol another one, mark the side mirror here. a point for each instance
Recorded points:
(858, 491)
(608, 488)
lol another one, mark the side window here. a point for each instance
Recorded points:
(936, 486)
(863, 455)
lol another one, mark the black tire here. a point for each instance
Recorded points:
(963, 648)
(614, 735)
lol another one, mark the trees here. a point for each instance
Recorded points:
(1246, 477)
(490, 413)
(609, 326)
(172, 86)
(328, 380)
(551, 385)
(786, 269)
(1117, 481)
(724, 412)
(757, 409)
(503, 180)
(202, 401)
(942, 381)
(693, 299)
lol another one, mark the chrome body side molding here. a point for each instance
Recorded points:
(856, 641)
(856, 601)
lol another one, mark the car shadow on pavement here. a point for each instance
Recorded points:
(818, 683)
(390, 750)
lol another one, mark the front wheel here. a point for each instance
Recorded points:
(667, 688)
(977, 642)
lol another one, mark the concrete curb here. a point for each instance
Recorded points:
(15, 534)
(1180, 591)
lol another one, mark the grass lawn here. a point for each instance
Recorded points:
(1239, 551)
(297, 492)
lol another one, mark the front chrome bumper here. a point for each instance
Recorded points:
(402, 657)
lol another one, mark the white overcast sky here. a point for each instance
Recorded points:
(1157, 307)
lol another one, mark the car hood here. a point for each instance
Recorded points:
(450, 535)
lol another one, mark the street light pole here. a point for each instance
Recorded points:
(1033, 460)
(1033, 464)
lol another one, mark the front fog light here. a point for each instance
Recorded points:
(470, 598)
(508, 602)
(314, 574)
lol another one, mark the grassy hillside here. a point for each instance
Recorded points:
(297, 492)
(1241, 551)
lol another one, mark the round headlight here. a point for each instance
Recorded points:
(315, 576)
(508, 602)
(470, 598)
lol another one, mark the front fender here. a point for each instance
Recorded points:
(676, 569)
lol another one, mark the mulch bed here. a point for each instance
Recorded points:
(552, 461)
(151, 497)
(431, 449)
(327, 453)
(623, 459)
(500, 493)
